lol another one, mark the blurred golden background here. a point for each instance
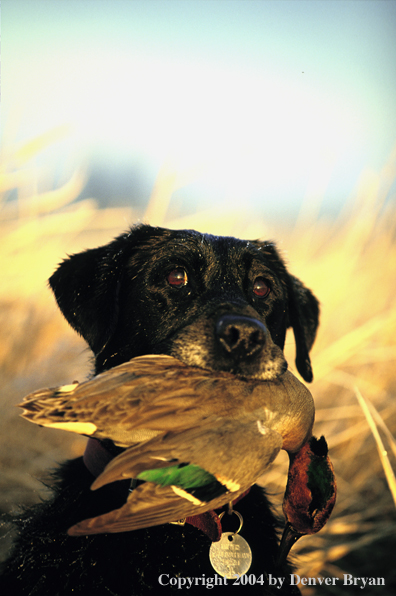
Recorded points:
(349, 261)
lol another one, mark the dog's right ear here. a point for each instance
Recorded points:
(304, 319)
(86, 287)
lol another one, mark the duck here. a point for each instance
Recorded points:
(192, 440)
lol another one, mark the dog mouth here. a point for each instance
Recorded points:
(232, 343)
(268, 370)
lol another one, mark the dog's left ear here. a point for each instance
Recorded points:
(304, 319)
(86, 286)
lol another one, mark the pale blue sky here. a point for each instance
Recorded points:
(262, 94)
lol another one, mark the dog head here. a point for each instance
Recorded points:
(214, 302)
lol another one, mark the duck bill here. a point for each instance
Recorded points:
(289, 537)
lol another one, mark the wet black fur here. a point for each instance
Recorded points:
(118, 298)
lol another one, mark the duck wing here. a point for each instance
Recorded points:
(185, 474)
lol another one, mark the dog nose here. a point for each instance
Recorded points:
(241, 336)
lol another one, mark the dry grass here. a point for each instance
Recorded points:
(350, 263)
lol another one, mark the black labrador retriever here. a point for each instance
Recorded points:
(213, 302)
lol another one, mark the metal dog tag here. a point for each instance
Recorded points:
(231, 556)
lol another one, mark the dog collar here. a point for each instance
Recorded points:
(97, 456)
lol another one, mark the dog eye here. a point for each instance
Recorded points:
(177, 278)
(261, 287)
